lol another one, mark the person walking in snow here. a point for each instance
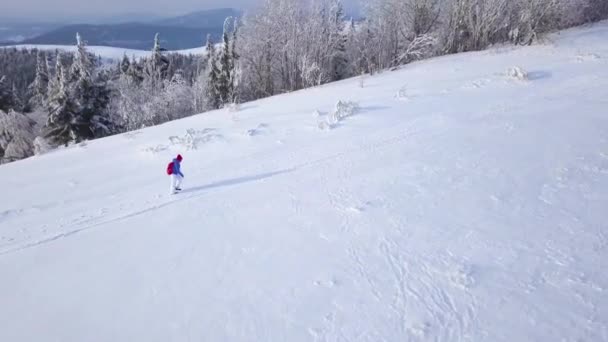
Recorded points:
(174, 170)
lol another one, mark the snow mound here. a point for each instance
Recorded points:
(517, 73)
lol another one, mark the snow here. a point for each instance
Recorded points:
(473, 211)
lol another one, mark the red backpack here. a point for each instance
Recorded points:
(170, 168)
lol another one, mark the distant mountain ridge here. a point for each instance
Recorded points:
(177, 33)
(201, 19)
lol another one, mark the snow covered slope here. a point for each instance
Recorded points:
(456, 204)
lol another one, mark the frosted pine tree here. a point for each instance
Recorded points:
(16, 99)
(40, 87)
(225, 75)
(213, 97)
(6, 95)
(339, 63)
(63, 125)
(89, 93)
(235, 72)
(158, 64)
(135, 72)
(124, 65)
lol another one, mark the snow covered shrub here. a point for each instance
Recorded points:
(260, 129)
(193, 138)
(342, 110)
(517, 73)
(323, 125)
(402, 94)
(16, 136)
(234, 107)
(41, 146)
(155, 149)
(362, 81)
(531, 18)
(420, 47)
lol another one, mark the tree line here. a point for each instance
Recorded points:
(53, 98)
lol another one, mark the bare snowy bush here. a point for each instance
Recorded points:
(342, 110)
(402, 94)
(517, 73)
(155, 149)
(420, 48)
(16, 136)
(234, 107)
(193, 138)
(534, 17)
(41, 146)
(362, 80)
(474, 24)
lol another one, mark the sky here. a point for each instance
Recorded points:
(50, 10)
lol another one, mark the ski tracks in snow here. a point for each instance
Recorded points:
(428, 297)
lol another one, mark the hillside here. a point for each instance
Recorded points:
(454, 201)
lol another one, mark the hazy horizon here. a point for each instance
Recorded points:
(70, 10)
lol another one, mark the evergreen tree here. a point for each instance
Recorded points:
(125, 64)
(77, 105)
(338, 39)
(40, 87)
(158, 64)
(90, 93)
(6, 95)
(64, 125)
(225, 75)
(16, 99)
(213, 97)
(135, 72)
(234, 67)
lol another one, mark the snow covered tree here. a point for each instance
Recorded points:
(337, 40)
(174, 102)
(40, 87)
(6, 95)
(257, 55)
(213, 95)
(422, 16)
(235, 74)
(125, 64)
(475, 24)
(16, 136)
(225, 65)
(18, 104)
(364, 53)
(90, 94)
(78, 102)
(64, 124)
(531, 18)
(595, 10)
(158, 64)
(135, 72)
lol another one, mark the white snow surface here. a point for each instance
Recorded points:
(456, 203)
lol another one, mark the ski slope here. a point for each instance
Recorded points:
(455, 204)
